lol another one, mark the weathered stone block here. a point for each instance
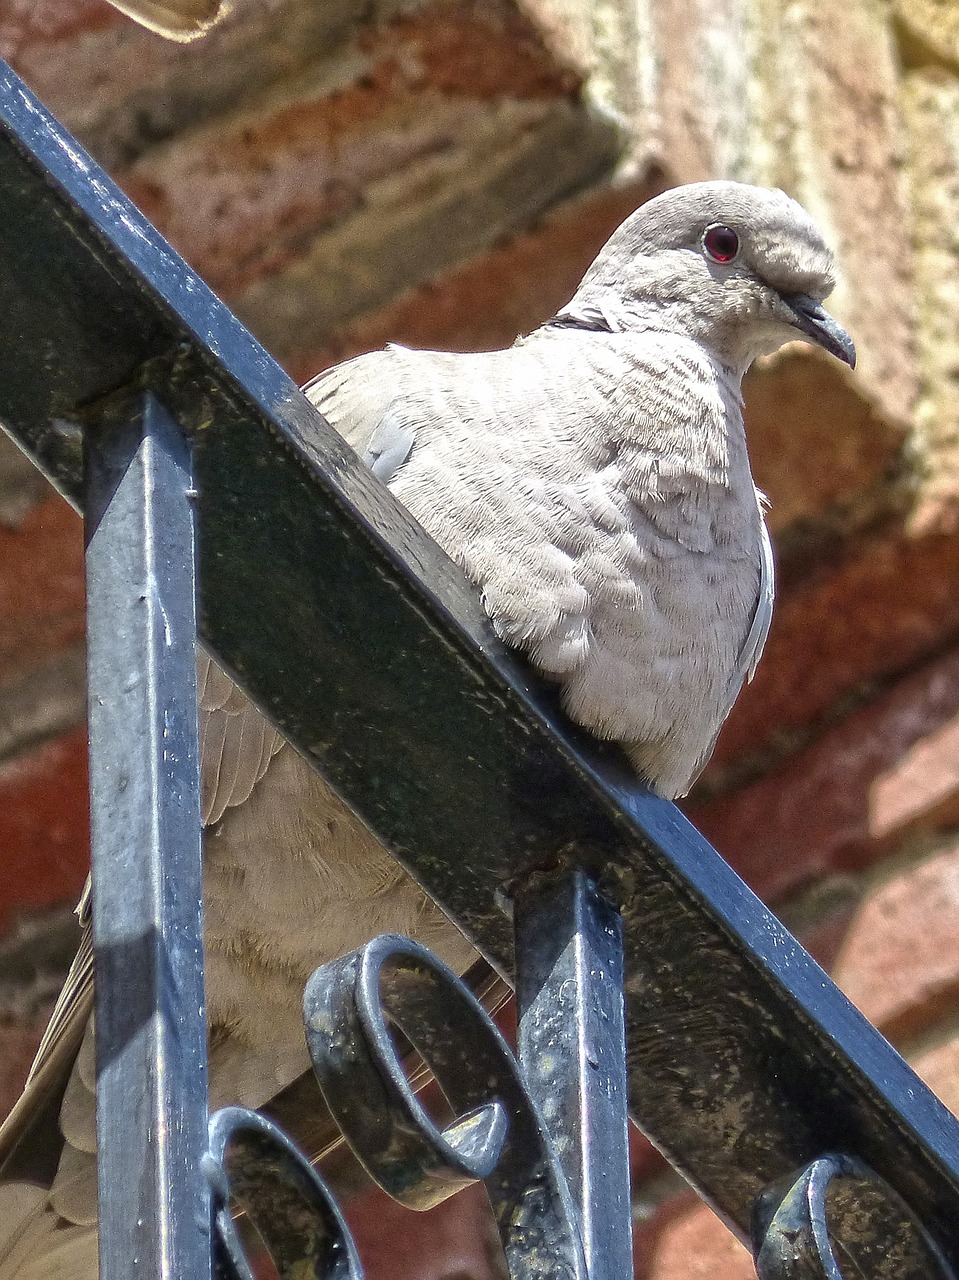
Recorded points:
(929, 30)
(930, 106)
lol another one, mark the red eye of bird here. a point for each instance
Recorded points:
(721, 243)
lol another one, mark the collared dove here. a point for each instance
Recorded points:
(593, 481)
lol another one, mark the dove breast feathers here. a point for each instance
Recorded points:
(597, 487)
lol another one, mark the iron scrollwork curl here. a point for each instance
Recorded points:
(498, 1137)
(838, 1220)
(254, 1163)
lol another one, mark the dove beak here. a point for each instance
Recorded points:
(815, 323)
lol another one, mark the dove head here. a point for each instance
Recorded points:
(739, 269)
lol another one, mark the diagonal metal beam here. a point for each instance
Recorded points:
(368, 649)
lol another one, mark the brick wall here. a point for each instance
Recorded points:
(439, 174)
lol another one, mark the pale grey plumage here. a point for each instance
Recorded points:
(593, 481)
(617, 543)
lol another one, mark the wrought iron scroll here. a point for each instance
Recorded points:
(548, 1137)
(794, 1236)
(253, 1165)
(348, 1006)
(498, 1135)
(836, 1220)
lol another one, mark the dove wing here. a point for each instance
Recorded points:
(361, 408)
(236, 747)
(60, 1043)
(755, 640)
(236, 742)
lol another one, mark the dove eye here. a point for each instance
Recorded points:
(721, 243)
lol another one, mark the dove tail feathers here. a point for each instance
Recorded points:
(36, 1243)
(666, 766)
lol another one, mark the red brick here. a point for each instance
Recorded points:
(22, 486)
(454, 1241)
(44, 825)
(18, 1044)
(483, 304)
(939, 1068)
(684, 1240)
(244, 198)
(885, 771)
(820, 917)
(31, 22)
(815, 441)
(923, 785)
(899, 961)
(878, 608)
(84, 59)
(41, 584)
(477, 50)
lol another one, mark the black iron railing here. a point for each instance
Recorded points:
(785, 1109)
